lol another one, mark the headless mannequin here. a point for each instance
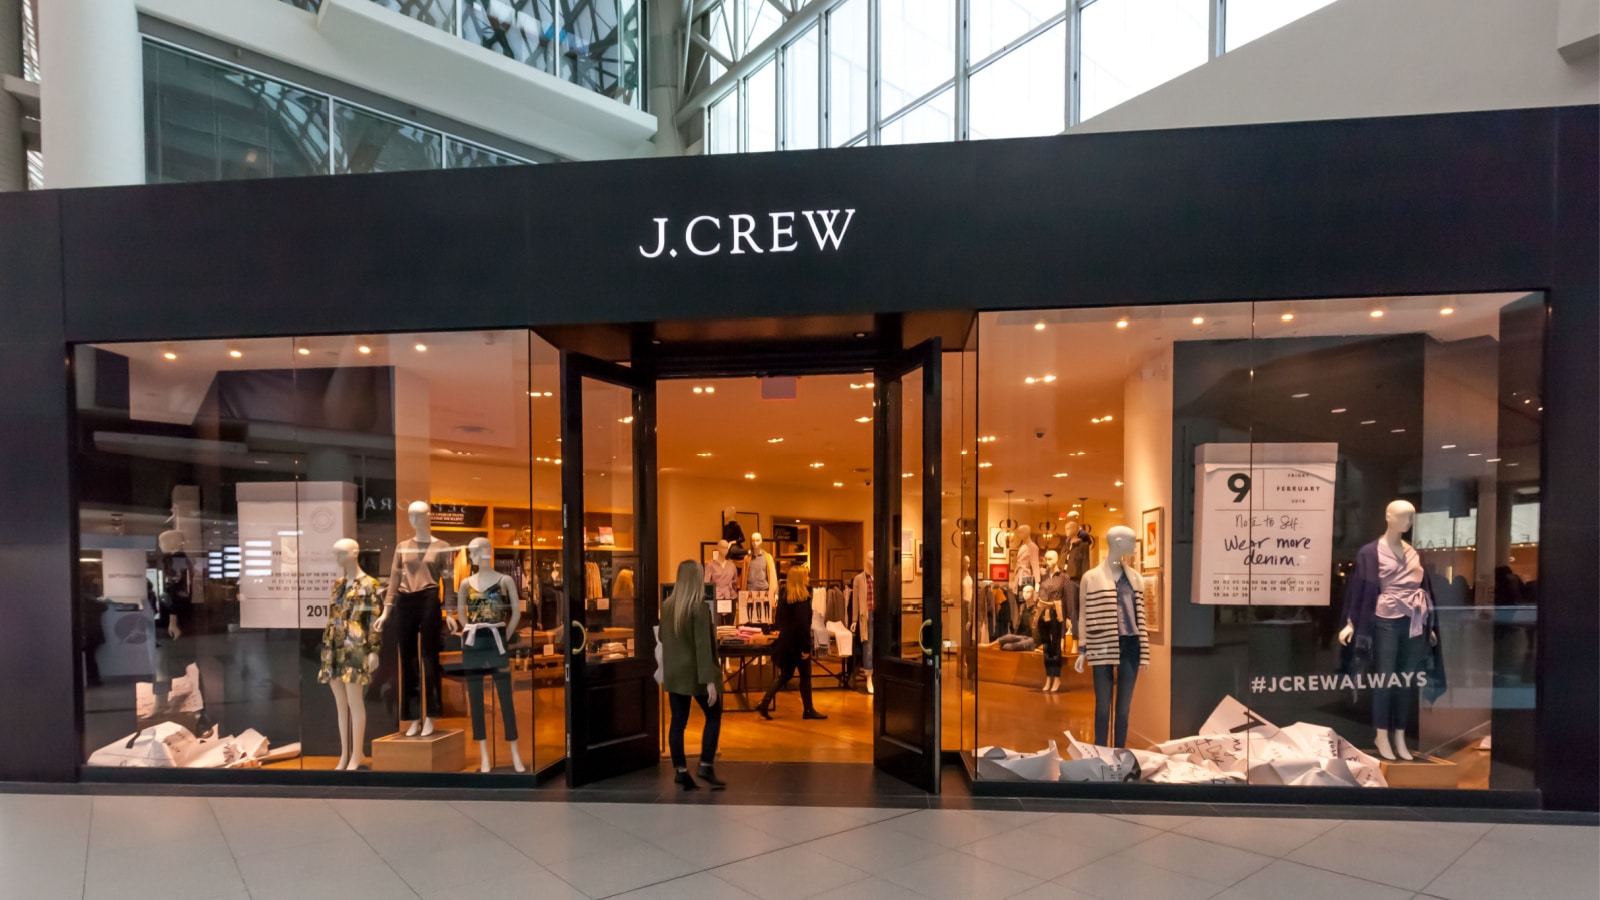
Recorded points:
(417, 513)
(480, 553)
(350, 698)
(1397, 519)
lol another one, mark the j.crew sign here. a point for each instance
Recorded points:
(741, 233)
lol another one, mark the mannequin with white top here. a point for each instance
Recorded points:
(1390, 616)
(1112, 634)
(350, 651)
(489, 610)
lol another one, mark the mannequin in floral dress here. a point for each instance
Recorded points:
(350, 650)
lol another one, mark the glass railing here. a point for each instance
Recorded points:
(591, 43)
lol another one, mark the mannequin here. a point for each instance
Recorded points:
(1026, 567)
(1057, 603)
(1389, 613)
(412, 599)
(178, 581)
(760, 577)
(722, 575)
(350, 647)
(1079, 544)
(1113, 634)
(862, 597)
(489, 610)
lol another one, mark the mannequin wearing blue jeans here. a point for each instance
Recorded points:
(1127, 672)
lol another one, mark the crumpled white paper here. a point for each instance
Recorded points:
(1235, 746)
(171, 745)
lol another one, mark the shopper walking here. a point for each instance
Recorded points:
(689, 671)
(793, 649)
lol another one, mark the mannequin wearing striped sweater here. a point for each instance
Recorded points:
(1112, 634)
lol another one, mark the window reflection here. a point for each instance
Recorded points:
(367, 142)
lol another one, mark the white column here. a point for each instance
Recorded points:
(91, 84)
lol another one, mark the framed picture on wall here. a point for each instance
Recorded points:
(999, 572)
(919, 557)
(999, 545)
(1155, 600)
(1151, 535)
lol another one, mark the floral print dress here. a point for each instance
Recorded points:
(350, 636)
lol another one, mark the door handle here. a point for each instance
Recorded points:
(583, 638)
(922, 638)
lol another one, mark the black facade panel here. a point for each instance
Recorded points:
(1569, 596)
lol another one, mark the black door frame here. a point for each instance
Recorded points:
(630, 737)
(907, 709)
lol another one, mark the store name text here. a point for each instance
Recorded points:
(738, 234)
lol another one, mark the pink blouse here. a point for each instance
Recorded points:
(1400, 587)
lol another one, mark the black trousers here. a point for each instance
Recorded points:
(1127, 669)
(679, 704)
(1051, 633)
(416, 622)
(478, 662)
(786, 670)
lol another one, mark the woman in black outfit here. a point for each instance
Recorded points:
(793, 649)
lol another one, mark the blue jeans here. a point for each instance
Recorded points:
(1394, 650)
(1127, 672)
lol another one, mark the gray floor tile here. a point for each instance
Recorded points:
(372, 881)
(960, 876)
(1406, 855)
(699, 886)
(873, 888)
(1118, 878)
(607, 873)
(299, 863)
(876, 848)
(955, 827)
(712, 843)
(1272, 837)
(1162, 823)
(800, 824)
(1203, 860)
(1100, 832)
(789, 874)
(1554, 864)
(1036, 852)
(1286, 879)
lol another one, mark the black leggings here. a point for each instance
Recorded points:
(1127, 669)
(1394, 650)
(478, 663)
(1050, 633)
(416, 622)
(679, 704)
(786, 670)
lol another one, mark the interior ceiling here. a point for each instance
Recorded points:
(476, 380)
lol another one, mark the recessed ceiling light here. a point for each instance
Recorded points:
(861, 334)
(1338, 411)
(777, 440)
(363, 349)
(816, 465)
(261, 462)
(1122, 323)
(863, 419)
(1447, 446)
(986, 465)
(1474, 454)
(169, 355)
(1369, 421)
(304, 351)
(1397, 431)
(1049, 379)
(750, 475)
(1038, 326)
(1512, 465)
(702, 455)
(1059, 475)
(710, 389)
(1028, 380)
(1526, 402)
(1117, 483)
(420, 348)
(838, 484)
(236, 354)
(1287, 317)
(908, 474)
(1198, 320)
(1447, 311)
(699, 390)
(1376, 314)
(1300, 396)
(987, 439)
(1111, 509)
(1493, 459)
(626, 420)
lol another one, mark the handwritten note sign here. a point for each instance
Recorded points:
(1264, 524)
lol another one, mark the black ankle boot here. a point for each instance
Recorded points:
(686, 781)
(813, 714)
(709, 776)
(764, 708)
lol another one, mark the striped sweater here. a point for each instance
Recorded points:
(1097, 617)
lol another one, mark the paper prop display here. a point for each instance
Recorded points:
(170, 745)
(1235, 746)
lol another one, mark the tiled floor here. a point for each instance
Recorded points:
(130, 847)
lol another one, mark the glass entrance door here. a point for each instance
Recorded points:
(906, 630)
(610, 589)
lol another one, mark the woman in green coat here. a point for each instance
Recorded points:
(689, 669)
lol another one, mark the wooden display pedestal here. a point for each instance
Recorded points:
(1023, 668)
(1422, 772)
(443, 751)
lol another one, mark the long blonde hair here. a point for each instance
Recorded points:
(798, 586)
(689, 590)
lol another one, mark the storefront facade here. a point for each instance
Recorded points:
(249, 365)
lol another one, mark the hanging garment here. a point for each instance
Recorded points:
(593, 586)
(834, 609)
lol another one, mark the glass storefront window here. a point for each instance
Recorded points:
(801, 92)
(296, 551)
(1289, 543)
